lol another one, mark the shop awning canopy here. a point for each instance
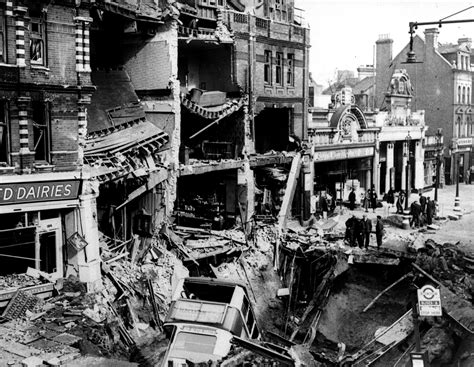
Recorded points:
(124, 149)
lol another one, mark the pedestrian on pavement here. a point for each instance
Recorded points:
(415, 211)
(373, 198)
(379, 231)
(350, 230)
(366, 229)
(366, 200)
(390, 197)
(358, 232)
(352, 199)
(324, 206)
(422, 203)
(430, 211)
(400, 202)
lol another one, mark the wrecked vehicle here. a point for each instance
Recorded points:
(203, 317)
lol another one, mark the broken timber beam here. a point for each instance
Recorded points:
(386, 290)
(263, 351)
(289, 191)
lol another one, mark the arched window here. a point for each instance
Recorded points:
(458, 127)
(463, 95)
(459, 94)
(468, 95)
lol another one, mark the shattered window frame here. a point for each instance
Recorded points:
(4, 133)
(279, 68)
(37, 42)
(267, 68)
(290, 79)
(3, 41)
(41, 123)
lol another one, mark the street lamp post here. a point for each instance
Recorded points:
(438, 137)
(407, 168)
(457, 201)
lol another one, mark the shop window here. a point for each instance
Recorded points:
(267, 69)
(37, 42)
(3, 41)
(4, 134)
(290, 74)
(279, 68)
(41, 131)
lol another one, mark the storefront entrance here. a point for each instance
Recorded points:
(49, 247)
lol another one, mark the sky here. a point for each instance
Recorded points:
(343, 32)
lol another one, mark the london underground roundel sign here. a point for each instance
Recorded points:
(429, 301)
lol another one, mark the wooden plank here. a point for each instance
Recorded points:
(289, 191)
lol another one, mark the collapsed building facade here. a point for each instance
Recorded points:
(122, 115)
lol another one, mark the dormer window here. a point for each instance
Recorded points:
(37, 42)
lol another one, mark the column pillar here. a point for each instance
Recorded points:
(376, 168)
(89, 261)
(82, 44)
(404, 169)
(23, 103)
(308, 186)
(20, 12)
(9, 8)
(419, 167)
(389, 168)
(81, 130)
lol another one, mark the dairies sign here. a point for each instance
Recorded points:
(30, 192)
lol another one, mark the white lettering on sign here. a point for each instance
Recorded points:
(334, 155)
(38, 191)
(429, 301)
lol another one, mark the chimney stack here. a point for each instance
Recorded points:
(431, 37)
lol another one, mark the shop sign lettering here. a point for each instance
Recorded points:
(30, 192)
(342, 154)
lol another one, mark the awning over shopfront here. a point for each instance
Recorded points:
(124, 149)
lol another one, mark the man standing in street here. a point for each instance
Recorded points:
(379, 231)
(430, 211)
(415, 211)
(350, 230)
(366, 229)
(352, 199)
(423, 203)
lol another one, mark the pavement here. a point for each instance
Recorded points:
(452, 231)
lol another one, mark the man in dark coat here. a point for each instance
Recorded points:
(379, 231)
(415, 211)
(358, 232)
(373, 198)
(352, 199)
(390, 197)
(350, 230)
(366, 229)
(430, 211)
(423, 203)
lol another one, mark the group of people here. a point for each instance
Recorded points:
(358, 231)
(422, 212)
(369, 200)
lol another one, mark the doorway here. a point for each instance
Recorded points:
(49, 247)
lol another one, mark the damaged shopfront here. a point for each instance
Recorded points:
(43, 225)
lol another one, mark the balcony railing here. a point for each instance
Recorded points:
(206, 33)
(330, 137)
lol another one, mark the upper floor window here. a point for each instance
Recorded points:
(463, 95)
(459, 94)
(3, 41)
(37, 42)
(290, 73)
(4, 134)
(41, 131)
(279, 68)
(267, 68)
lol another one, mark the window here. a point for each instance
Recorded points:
(3, 41)
(463, 95)
(290, 74)
(279, 68)
(468, 95)
(37, 42)
(459, 94)
(267, 69)
(4, 134)
(41, 131)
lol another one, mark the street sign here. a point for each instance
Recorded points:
(429, 301)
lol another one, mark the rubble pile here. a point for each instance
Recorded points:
(450, 265)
